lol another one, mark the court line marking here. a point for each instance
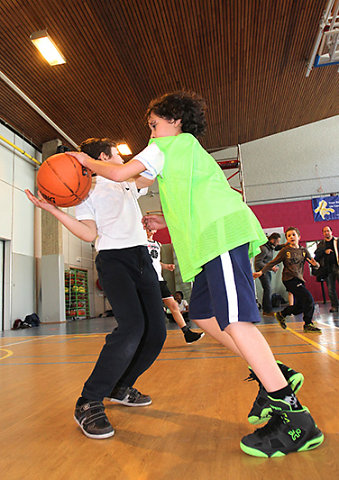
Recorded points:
(315, 344)
(178, 359)
(24, 341)
(8, 354)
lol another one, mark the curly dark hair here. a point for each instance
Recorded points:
(187, 106)
(94, 146)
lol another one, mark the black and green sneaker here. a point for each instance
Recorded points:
(281, 319)
(310, 327)
(287, 431)
(294, 379)
(261, 410)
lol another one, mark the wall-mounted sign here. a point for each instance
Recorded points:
(325, 208)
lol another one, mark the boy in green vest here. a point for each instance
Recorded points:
(213, 234)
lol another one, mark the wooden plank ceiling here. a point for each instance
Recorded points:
(246, 57)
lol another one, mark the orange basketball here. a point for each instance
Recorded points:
(63, 181)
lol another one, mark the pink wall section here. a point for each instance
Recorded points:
(298, 214)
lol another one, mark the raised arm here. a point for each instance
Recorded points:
(110, 170)
(269, 266)
(84, 229)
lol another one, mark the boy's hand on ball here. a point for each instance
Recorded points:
(39, 202)
(81, 157)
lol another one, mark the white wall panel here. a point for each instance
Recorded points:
(24, 174)
(23, 286)
(6, 163)
(296, 164)
(23, 224)
(6, 209)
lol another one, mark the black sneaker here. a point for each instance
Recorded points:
(261, 410)
(286, 432)
(91, 418)
(191, 337)
(310, 327)
(281, 319)
(130, 397)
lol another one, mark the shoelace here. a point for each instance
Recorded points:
(252, 376)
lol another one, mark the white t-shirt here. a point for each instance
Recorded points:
(182, 305)
(153, 160)
(115, 209)
(154, 249)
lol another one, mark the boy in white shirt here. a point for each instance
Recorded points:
(112, 216)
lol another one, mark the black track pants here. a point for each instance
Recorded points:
(132, 288)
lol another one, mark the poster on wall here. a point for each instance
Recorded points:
(325, 208)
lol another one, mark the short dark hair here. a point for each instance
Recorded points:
(94, 146)
(292, 228)
(180, 293)
(274, 236)
(189, 107)
(327, 226)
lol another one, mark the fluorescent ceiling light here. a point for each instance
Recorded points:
(124, 149)
(47, 48)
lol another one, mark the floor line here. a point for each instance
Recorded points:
(25, 341)
(315, 344)
(8, 353)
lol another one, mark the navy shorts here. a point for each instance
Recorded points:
(225, 289)
(165, 293)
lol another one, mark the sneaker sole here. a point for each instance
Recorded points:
(197, 340)
(309, 445)
(91, 435)
(126, 404)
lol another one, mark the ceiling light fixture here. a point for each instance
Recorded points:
(43, 42)
(124, 149)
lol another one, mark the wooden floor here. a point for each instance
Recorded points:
(191, 431)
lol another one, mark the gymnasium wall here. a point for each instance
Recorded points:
(292, 165)
(283, 172)
(17, 227)
(298, 214)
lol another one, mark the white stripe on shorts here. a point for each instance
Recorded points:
(232, 296)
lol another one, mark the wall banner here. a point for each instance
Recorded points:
(325, 208)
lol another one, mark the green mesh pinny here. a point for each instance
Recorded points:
(204, 215)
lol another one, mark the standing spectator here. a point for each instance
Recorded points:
(327, 255)
(265, 256)
(294, 257)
